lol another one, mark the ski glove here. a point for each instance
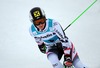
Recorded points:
(42, 48)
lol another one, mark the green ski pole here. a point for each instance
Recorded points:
(81, 14)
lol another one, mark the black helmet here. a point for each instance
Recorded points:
(36, 13)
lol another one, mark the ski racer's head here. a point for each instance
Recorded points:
(37, 16)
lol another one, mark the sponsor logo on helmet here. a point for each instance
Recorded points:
(36, 14)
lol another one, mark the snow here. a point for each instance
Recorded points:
(19, 50)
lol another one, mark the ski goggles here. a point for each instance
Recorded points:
(40, 21)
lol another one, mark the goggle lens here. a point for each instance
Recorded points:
(40, 21)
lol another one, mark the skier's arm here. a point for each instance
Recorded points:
(60, 33)
(41, 45)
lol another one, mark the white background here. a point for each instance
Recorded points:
(19, 50)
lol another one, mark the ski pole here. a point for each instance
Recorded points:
(81, 14)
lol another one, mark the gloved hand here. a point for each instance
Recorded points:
(68, 62)
(42, 48)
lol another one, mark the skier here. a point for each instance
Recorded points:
(52, 40)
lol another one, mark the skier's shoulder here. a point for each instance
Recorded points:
(32, 30)
(52, 21)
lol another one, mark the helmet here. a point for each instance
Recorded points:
(36, 13)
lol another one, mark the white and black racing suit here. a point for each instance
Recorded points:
(53, 42)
